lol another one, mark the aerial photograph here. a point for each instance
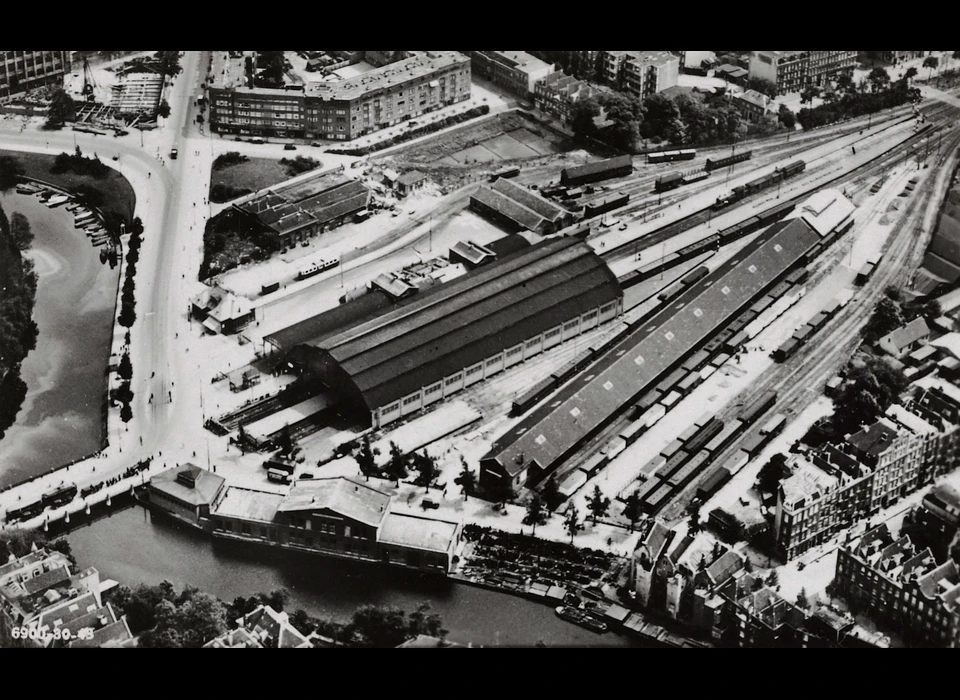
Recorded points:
(529, 349)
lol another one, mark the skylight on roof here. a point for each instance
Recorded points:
(668, 335)
(725, 290)
(753, 269)
(698, 313)
(638, 359)
(608, 385)
(574, 411)
(540, 439)
(777, 247)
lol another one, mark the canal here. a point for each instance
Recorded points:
(135, 546)
(60, 419)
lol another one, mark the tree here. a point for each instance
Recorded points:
(125, 369)
(426, 467)
(62, 108)
(373, 626)
(693, 510)
(772, 473)
(845, 83)
(632, 510)
(773, 580)
(571, 521)
(20, 231)
(126, 413)
(422, 621)
(536, 514)
(276, 599)
(802, 601)
(624, 113)
(786, 117)
(11, 169)
(910, 74)
(582, 116)
(169, 62)
(396, 466)
(163, 110)
(598, 504)
(302, 622)
(764, 86)
(551, 493)
(659, 112)
(879, 78)
(367, 458)
(887, 316)
(466, 480)
(931, 62)
(201, 619)
(809, 94)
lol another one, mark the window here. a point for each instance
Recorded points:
(453, 380)
(513, 351)
(411, 399)
(552, 334)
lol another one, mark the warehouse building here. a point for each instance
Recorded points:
(518, 209)
(413, 83)
(598, 170)
(458, 333)
(289, 215)
(550, 434)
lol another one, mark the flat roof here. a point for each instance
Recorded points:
(249, 504)
(265, 427)
(418, 532)
(518, 60)
(419, 65)
(640, 360)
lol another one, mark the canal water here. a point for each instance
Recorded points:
(135, 546)
(60, 419)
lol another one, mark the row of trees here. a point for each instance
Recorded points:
(79, 164)
(18, 331)
(398, 465)
(687, 118)
(127, 316)
(845, 100)
(539, 509)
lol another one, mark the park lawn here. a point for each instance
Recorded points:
(254, 174)
(118, 195)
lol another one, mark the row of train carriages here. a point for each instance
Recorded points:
(671, 156)
(694, 453)
(761, 183)
(803, 334)
(675, 180)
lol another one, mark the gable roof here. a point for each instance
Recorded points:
(347, 497)
(651, 349)
(895, 341)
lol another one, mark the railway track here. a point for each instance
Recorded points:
(799, 381)
(851, 321)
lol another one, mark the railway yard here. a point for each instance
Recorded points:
(692, 422)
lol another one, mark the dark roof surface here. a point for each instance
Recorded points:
(518, 193)
(510, 208)
(651, 349)
(459, 323)
(333, 321)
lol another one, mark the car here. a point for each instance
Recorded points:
(429, 505)
(305, 244)
(622, 227)
(316, 144)
(289, 147)
(306, 475)
(174, 153)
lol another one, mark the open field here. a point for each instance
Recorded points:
(118, 196)
(254, 174)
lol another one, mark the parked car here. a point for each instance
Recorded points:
(306, 475)
(623, 227)
(289, 147)
(173, 153)
(316, 144)
(429, 505)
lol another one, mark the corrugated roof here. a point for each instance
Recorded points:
(518, 193)
(649, 351)
(597, 166)
(459, 323)
(510, 208)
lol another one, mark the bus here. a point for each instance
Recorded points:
(317, 267)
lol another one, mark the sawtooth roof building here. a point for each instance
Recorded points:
(402, 358)
(550, 435)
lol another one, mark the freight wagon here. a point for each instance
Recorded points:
(716, 478)
(668, 182)
(759, 184)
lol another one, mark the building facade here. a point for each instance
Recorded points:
(417, 83)
(21, 71)
(873, 469)
(557, 93)
(516, 71)
(337, 517)
(792, 71)
(904, 587)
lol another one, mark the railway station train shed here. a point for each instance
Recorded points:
(517, 208)
(398, 360)
(552, 433)
(597, 170)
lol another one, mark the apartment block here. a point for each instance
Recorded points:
(21, 71)
(872, 469)
(792, 71)
(516, 71)
(902, 586)
(346, 108)
(557, 93)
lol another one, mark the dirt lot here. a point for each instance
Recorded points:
(253, 175)
(504, 137)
